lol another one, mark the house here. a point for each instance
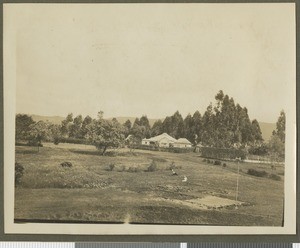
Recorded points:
(182, 143)
(162, 140)
(165, 140)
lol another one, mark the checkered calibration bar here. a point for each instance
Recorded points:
(240, 245)
(130, 245)
(36, 245)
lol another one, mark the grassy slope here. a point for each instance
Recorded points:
(89, 192)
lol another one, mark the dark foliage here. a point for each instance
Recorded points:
(152, 167)
(66, 164)
(275, 177)
(223, 153)
(19, 171)
(217, 162)
(257, 173)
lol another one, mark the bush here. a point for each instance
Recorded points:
(19, 171)
(217, 162)
(56, 141)
(275, 177)
(204, 160)
(132, 169)
(66, 164)
(224, 164)
(257, 173)
(110, 167)
(152, 167)
(259, 150)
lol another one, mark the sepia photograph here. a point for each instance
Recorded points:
(150, 118)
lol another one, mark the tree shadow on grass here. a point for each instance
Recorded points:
(94, 153)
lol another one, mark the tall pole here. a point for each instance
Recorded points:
(237, 182)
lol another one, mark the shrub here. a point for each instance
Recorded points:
(204, 160)
(66, 164)
(152, 167)
(208, 161)
(217, 162)
(110, 167)
(56, 141)
(132, 169)
(275, 177)
(19, 171)
(171, 166)
(257, 173)
(224, 164)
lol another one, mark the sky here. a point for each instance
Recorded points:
(152, 59)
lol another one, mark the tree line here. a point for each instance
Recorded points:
(224, 124)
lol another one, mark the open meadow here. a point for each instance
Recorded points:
(138, 187)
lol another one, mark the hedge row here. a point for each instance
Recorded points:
(163, 149)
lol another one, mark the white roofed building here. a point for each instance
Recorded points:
(165, 140)
(182, 143)
(162, 140)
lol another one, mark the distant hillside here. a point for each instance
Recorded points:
(52, 119)
(267, 129)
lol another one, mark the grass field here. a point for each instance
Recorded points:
(90, 191)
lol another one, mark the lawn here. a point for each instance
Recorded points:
(118, 188)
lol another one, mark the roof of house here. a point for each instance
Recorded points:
(160, 137)
(183, 141)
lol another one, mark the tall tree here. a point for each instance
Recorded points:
(156, 128)
(145, 123)
(65, 125)
(256, 132)
(86, 121)
(280, 127)
(23, 123)
(127, 127)
(75, 127)
(196, 128)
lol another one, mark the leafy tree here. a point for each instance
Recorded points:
(276, 147)
(280, 127)
(256, 132)
(105, 133)
(145, 123)
(138, 132)
(55, 133)
(39, 132)
(127, 127)
(156, 128)
(75, 127)
(196, 128)
(86, 121)
(65, 125)
(23, 123)
(277, 141)
(174, 125)
(208, 132)
(189, 132)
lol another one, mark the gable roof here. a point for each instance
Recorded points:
(160, 137)
(183, 141)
